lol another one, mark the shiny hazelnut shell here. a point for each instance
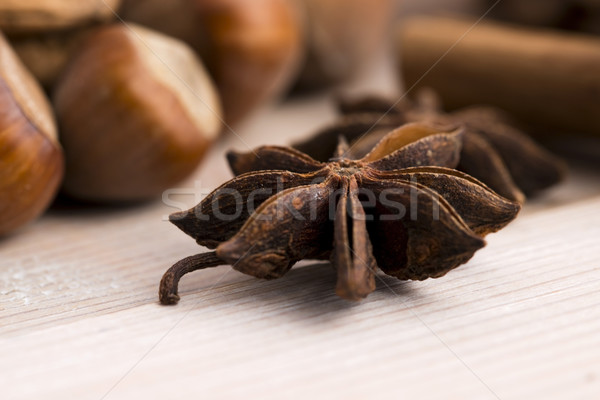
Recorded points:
(31, 160)
(137, 112)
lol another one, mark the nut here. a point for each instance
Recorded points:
(18, 16)
(31, 160)
(137, 111)
(177, 18)
(46, 54)
(252, 48)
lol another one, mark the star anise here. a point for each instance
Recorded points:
(400, 208)
(494, 150)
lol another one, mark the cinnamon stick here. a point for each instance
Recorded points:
(549, 79)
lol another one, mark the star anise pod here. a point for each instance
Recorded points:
(400, 208)
(494, 150)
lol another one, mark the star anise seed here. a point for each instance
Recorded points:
(400, 208)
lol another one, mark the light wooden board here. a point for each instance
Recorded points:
(79, 316)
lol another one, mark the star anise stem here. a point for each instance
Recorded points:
(167, 291)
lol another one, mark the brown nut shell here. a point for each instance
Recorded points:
(137, 112)
(31, 160)
(46, 54)
(18, 16)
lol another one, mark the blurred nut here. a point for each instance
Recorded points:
(252, 48)
(343, 35)
(546, 78)
(137, 111)
(17, 16)
(177, 18)
(46, 54)
(263, 36)
(31, 160)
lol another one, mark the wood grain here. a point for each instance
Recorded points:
(79, 314)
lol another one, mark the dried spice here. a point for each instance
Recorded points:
(494, 150)
(399, 208)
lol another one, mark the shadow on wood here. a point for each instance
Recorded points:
(306, 293)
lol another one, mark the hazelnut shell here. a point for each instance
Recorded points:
(26, 16)
(137, 111)
(31, 160)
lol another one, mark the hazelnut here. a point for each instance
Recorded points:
(31, 160)
(177, 18)
(46, 54)
(18, 16)
(252, 48)
(137, 111)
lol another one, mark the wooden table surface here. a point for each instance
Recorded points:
(79, 316)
